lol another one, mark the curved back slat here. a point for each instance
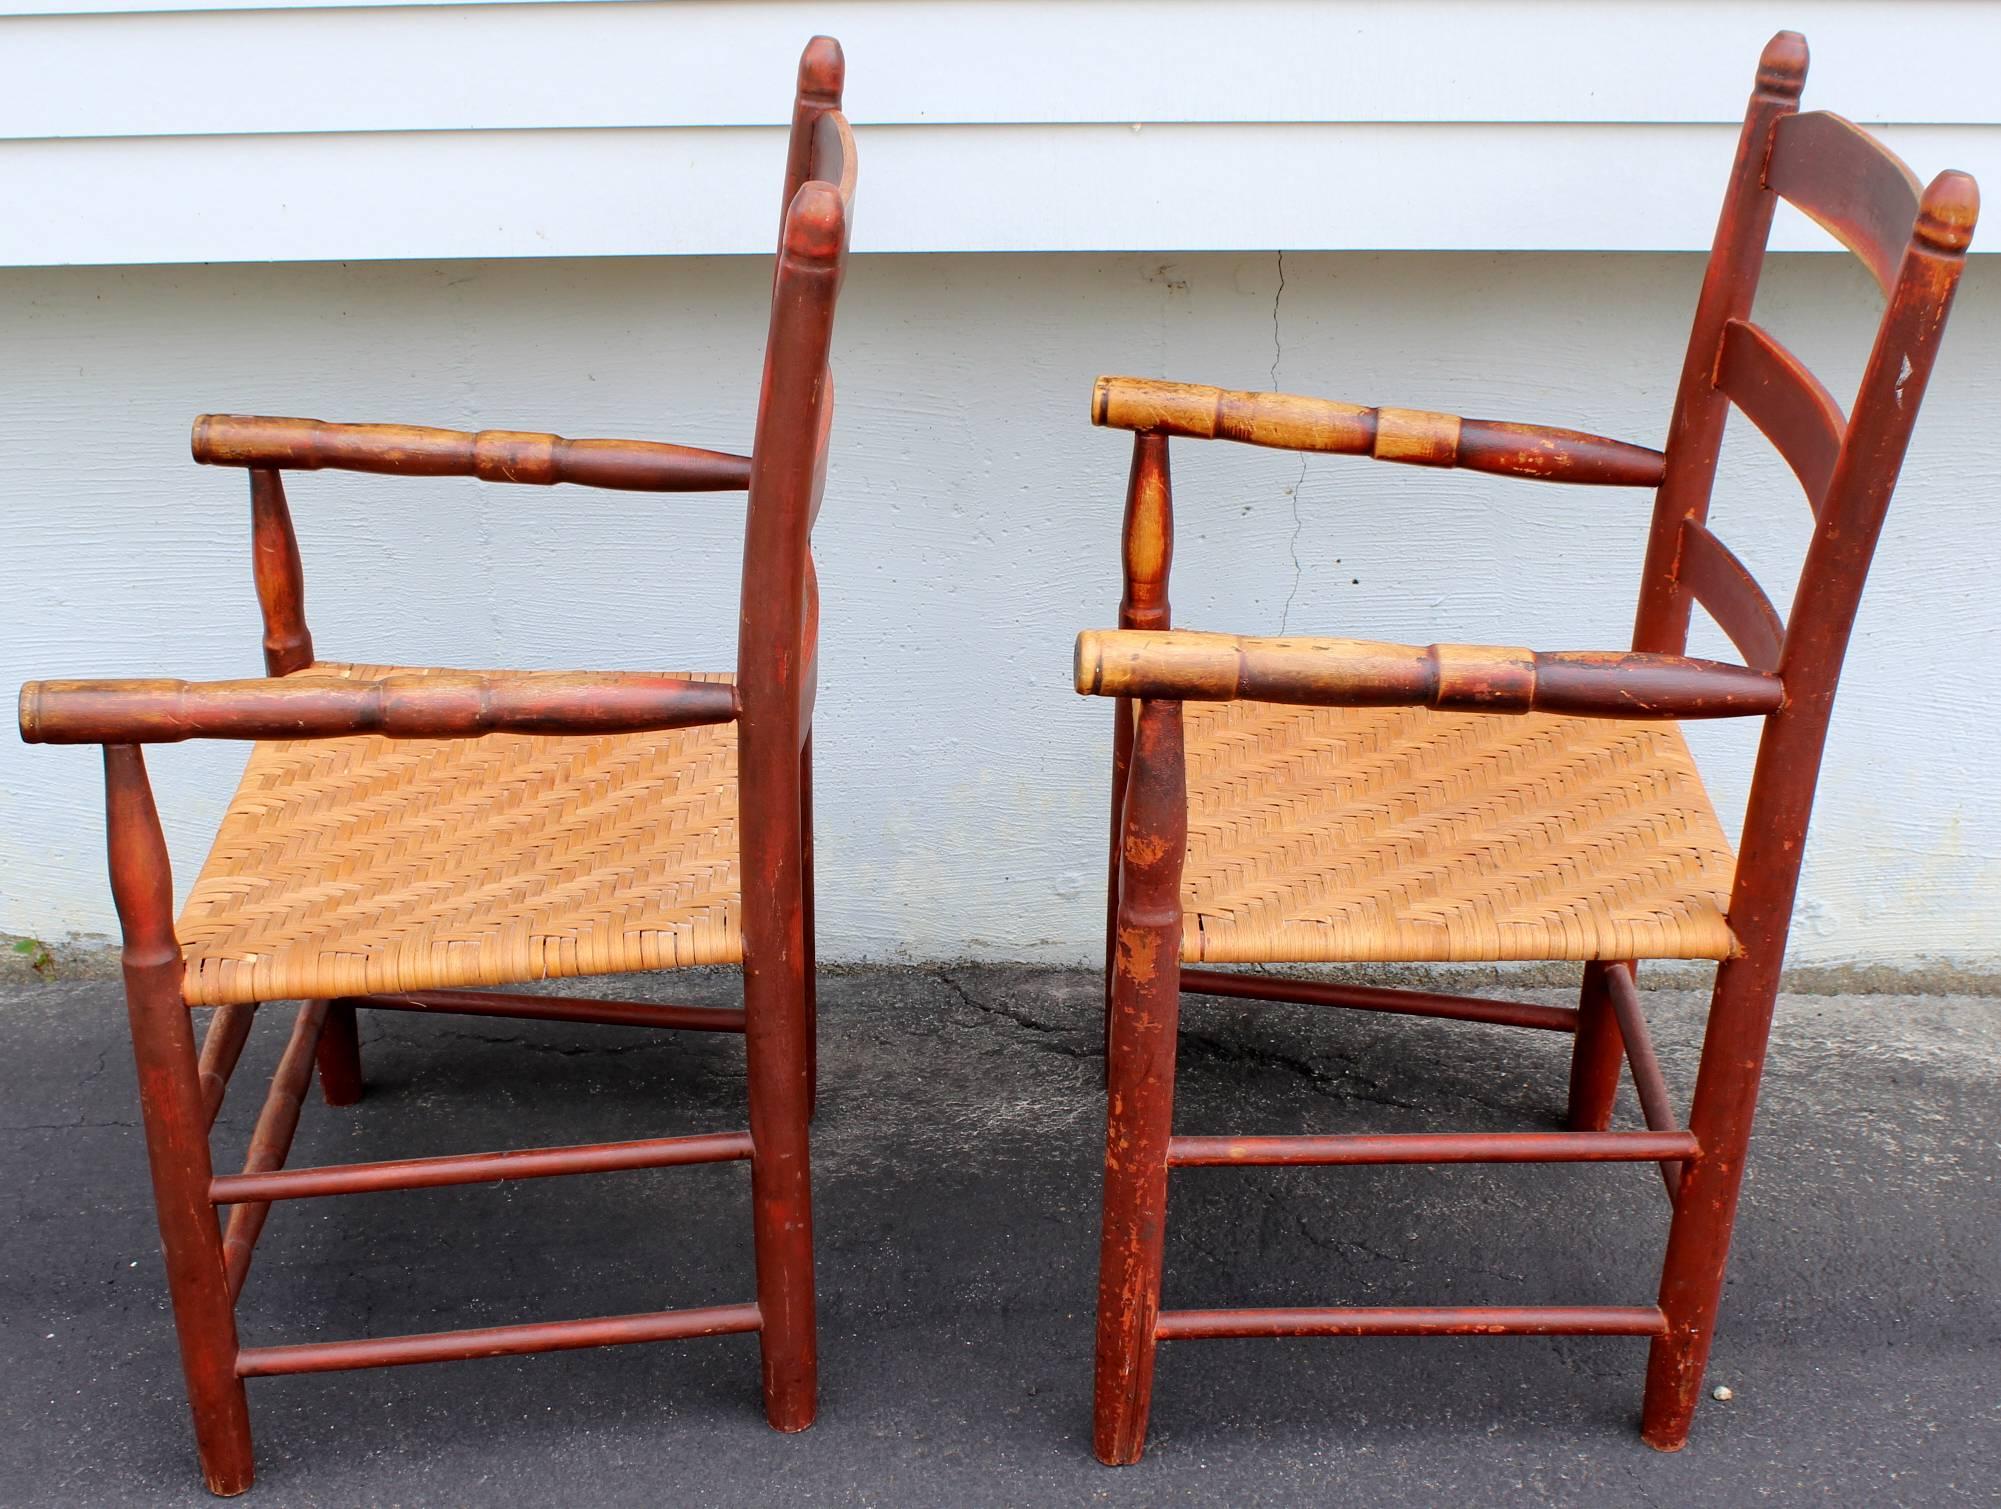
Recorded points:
(834, 154)
(1784, 400)
(1853, 186)
(1730, 595)
(1879, 429)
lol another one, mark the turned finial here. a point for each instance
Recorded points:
(1947, 213)
(816, 223)
(1782, 65)
(823, 71)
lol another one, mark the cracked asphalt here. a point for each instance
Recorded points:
(956, 1157)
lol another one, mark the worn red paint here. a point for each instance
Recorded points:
(771, 701)
(1914, 242)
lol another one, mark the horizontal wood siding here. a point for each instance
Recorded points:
(162, 133)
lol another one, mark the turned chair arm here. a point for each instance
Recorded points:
(491, 455)
(1180, 666)
(1286, 422)
(438, 705)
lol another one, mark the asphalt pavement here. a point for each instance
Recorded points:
(956, 1162)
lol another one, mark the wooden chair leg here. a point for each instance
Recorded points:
(806, 910)
(176, 1123)
(339, 1053)
(1145, 1012)
(1596, 1057)
(1705, 1209)
(1122, 751)
(777, 1052)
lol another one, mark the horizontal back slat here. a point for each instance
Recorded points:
(1784, 400)
(1731, 595)
(1851, 185)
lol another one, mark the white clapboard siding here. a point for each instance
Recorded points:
(160, 133)
(631, 193)
(152, 7)
(978, 62)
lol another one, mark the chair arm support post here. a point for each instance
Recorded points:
(491, 455)
(1183, 666)
(280, 576)
(1146, 537)
(450, 705)
(1288, 422)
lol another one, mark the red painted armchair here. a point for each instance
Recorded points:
(408, 839)
(1322, 800)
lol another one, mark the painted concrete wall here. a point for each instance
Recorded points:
(969, 531)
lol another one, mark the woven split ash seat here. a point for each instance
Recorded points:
(1346, 834)
(369, 865)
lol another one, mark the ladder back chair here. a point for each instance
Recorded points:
(1323, 800)
(408, 839)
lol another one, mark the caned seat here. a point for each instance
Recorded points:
(1331, 834)
(371, 865)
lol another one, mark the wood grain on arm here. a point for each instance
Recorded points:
(1286, 421)
(433, 705)
(1189, 667)
(491, 455)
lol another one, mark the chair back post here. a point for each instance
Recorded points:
(1848, 521)
(1829, 593)
(823, 73)
(787, 467)
(819, 132)
(1695, 432)
(280, 575)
